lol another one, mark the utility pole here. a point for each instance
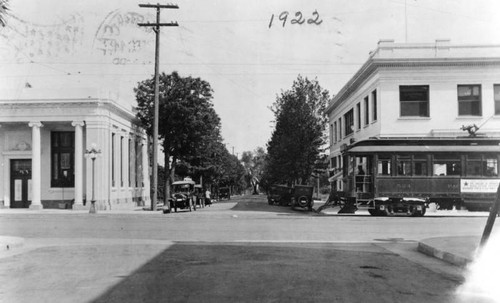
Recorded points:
(156, 27)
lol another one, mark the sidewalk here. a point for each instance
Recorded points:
(459, 251)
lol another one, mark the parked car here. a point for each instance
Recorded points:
(303, 197)
(182, 196)
(279, 194)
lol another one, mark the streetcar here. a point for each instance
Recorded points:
(452, 172)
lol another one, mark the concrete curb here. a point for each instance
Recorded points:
(455, 250)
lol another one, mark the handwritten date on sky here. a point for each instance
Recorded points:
(298, 18)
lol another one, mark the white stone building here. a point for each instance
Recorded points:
(416, 90)
(43, 142)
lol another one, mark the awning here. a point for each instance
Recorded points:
(424, 148)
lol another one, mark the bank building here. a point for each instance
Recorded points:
(61, 150)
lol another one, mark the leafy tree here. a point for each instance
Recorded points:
(300, 133)
(254, 164)
(187, 119)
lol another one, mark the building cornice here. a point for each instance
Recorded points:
(97, 103)
(372, 65)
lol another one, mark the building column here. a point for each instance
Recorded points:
(145, 174)
(125, 163)
(36, 172)
(78, 125)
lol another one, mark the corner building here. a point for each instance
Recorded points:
(43, 142)
(427, 91)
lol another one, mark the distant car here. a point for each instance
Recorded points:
(279, 194)
(182, 196)
(303, 197)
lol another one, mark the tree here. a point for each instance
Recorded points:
(3, 11)
(254, 165)
(299, 135)
(187, 119)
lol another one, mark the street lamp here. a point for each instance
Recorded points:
(92, 153)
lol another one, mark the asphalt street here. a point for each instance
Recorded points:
(241, 250)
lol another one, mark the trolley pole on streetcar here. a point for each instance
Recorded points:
(156, 27)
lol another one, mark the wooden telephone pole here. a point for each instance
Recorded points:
(156, 27)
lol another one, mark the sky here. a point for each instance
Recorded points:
(249, 51)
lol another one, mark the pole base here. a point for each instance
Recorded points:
(92, 208)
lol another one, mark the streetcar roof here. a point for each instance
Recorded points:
(428, 144)
(423, 148)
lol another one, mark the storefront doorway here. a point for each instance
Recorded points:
(20, 183)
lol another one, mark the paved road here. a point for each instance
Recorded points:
(242, 251)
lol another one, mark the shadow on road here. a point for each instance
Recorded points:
(195, 272)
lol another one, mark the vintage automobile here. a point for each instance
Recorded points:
(303, 197)
(182, 196)
(279, 194)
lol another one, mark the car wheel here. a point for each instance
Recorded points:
(302, 201)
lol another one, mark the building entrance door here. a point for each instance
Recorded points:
(20, 183)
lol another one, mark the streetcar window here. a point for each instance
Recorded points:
(446, 165)
(482, 165)
(414, 100)
(420, 165)
(491, 164)
(474, 165)
(404, 165)
(496, 93)
(384, 165)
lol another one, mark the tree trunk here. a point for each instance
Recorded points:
(255, 192)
